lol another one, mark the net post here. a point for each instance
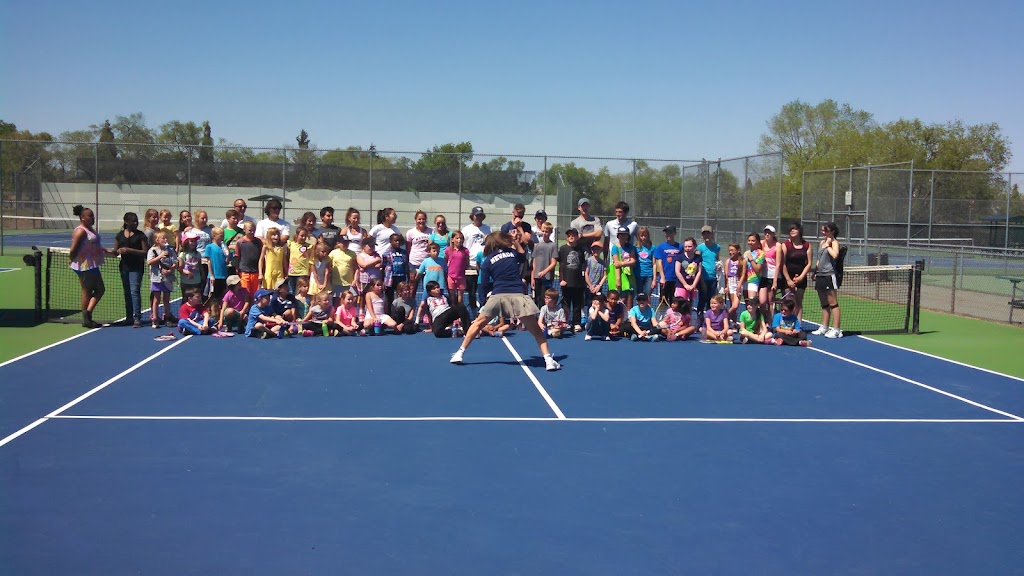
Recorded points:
(952, 291)
(2, 198)
(49, 269)
(916, 312)
(35, 260)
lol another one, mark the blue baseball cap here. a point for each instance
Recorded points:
(263, 293)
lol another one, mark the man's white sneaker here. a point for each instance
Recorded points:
(457, 356)
(820, 331)
(551, 365)
(833, 333)
(587, 337)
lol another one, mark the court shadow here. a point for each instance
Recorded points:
(18, 318)
(532, 362)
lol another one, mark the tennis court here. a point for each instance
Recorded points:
(121, 454)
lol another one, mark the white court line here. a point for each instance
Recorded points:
(536, 383)
(2, 270)
(68, 339)
(91, 392)
(964, 364)
(916, 383)
(549, 419)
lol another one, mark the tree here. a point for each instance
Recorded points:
(445, 157)
(107, 149)
(303, 140)
(806, 134)
(206, 152)
(183, 140)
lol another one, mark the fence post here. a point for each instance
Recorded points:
(706, 168)
(931, 205)
(833, 214)
(718, 190)
(96, 167)
(867, 207)
(682, 194)
(188, 170)
(460, 195)
(952, 288)
(370, 185)
(910, 202)
(1, 197)
(746, 190)
(1006, 233)
(803, 194)
(782, 171)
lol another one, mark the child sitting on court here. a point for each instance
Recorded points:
(787, 326)
(716, 321)
(376, 318)
(317, 320)
(263, 323)
(234, 306)
(283, 302)
(401, 308)
(497, 326)
(552, 317)
(442, 313)
(677, 321)
(641, 321)
(346, 315)
(616, 314)
(193, 317)
(598, 319)
(751, 329)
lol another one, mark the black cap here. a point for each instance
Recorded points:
(476, 211)
(669, 229)
(540, 214)
(622, 230)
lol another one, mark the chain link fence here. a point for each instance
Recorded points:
(898, 204)
(42, 181)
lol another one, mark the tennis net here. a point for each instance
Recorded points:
(875, 299)
(62, 292)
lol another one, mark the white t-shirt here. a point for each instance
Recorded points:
(611, 229)
(381, 235)
(418, 245)
(475, 240)
(586, 226)
(280, 224)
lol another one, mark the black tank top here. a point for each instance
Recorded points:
(796, 258)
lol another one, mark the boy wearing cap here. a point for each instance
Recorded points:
(263, 323)
(597, 269)
(474, 234)
(589, 226)
(235, 304)
(571, 260)
(665, 263)
(539, 219)
(545, 258)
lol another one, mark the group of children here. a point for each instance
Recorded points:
(311, 283)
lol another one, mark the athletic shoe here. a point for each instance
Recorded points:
(806, 343)
(155, 325)
(633, 337)
(307, 333)
(672, 337)
(551, 365)
(137, 323)
(457, 356)
(588, 337)
(578, 328)
(822, 330)
(833, 333)
(607, 338)
(778, 342)
(653, 338)
(769, 341)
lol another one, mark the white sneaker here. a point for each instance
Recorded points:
(588, 337)
(820, 331)
(550, 364)
(833, 333)
(457, 356)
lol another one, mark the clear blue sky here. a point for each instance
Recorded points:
(639, 79)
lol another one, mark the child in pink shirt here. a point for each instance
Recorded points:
(457, 257)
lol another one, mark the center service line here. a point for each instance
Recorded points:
(536, 383)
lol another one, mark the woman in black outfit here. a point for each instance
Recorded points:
(131, 245)
(795, 254)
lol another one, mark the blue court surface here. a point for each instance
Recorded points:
(123, 455)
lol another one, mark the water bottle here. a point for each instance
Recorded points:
(376, 328)
(455, 329)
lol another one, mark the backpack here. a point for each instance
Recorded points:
(840, 264)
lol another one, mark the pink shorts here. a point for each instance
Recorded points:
(684, 293)
(456, 283)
